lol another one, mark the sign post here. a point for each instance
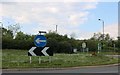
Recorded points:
(30, 60)
(39, 60)
(99, 47)
(83, 46)
(40, 42)
(50, 59)
(74, 50)
(114, 47)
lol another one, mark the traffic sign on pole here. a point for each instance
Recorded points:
(83, 45)
(40, 41)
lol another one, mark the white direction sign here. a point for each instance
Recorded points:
(38, 40)
(83, 45)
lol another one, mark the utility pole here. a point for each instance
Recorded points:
(103, 32)
(56, 28)
(1, 24)
(103, 26)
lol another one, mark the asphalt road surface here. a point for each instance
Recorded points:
(94, 69)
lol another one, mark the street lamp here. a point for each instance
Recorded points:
(103, 27)
(103, 31)
(56, 28)
(1, 24)
(42, 32)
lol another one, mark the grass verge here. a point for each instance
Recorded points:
(20, 59)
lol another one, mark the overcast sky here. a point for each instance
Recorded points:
(79, 18)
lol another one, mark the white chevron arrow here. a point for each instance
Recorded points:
(38, 40)
(44, 51)
(31, 51)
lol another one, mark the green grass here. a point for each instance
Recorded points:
(20, 59)
(109, 53)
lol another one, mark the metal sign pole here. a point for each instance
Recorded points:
(83, 50)
(87, 50)
(39, 60)
(30, 60)
(98, 47)
(83, 46)
(50, 59)
(114, 47)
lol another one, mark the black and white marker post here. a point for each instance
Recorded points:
(83, 46)
(40, 42)
(99, 47)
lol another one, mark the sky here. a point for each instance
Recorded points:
(72, 17)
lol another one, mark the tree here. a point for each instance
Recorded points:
(92, 45)
(23, 41)
(7, 36)
(107, 37)
(57, 43)
(14, 28)
(73, 35)
(53, 44)
(97, 36)
(118, 42)
(65, 47)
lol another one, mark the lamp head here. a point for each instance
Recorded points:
(99, 19)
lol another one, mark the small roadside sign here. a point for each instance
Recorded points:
(83, 45)
(75, 50)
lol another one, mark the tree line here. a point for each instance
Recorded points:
(58, 43)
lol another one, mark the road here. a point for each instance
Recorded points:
(94, 69)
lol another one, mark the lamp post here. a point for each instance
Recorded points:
(103, 31)
(103, 26)
(56, 28)
(1, 24)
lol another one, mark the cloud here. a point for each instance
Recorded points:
(112, 29)
(91, 5)
(78, 18)
(49, 0)
(52, 9)
(67, 15)
(21, 19)
(59, 0)
(85, 35)
(0, 11)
